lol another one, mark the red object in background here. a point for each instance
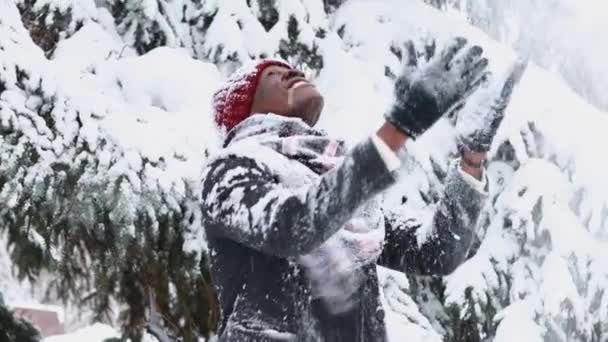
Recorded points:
(47, 321)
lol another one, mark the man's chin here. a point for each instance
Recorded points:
(309, 111)
(314, 120)
(315, 116)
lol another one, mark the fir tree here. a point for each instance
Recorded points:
(104, 231)
(332, 5)
(48, 21)
(146, 25)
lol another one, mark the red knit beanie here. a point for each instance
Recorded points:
(232, 102)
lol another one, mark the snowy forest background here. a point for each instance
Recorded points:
(105, 126)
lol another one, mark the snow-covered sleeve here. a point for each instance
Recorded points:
(244, 201)
(452, 233)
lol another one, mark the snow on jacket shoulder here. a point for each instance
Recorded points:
(248, 195)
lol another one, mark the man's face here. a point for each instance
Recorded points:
(286, 92)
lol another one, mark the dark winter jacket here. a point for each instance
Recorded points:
(263, 208)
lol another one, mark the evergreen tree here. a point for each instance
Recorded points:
(73, 204)
(146, 25)
(332, 5)
(50, 21)
(201, 27)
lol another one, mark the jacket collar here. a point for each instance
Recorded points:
(270, 125)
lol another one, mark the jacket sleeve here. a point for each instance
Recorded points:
(243, 200)
(452, 234)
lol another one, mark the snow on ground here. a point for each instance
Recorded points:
(94, 333)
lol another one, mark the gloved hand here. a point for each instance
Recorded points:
(481, 116)
(424, 94)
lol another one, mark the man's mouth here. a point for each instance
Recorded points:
(302, 84)
(298, 82)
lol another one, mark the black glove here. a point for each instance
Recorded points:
(485, 109)
(424, 94)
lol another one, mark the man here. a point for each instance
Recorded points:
(292, 220)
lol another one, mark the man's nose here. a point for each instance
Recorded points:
(293, 73)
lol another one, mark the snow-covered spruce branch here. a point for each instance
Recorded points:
(77, 204)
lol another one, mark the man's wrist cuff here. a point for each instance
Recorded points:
(391, 117)
(471, 164)
(480, 185)
(389, 157)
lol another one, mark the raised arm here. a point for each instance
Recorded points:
(464, 196)
(244, 201)
(453, 230)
